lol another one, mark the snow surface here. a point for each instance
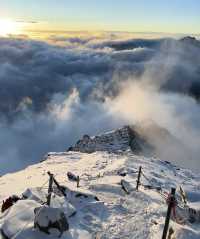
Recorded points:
(116, 214)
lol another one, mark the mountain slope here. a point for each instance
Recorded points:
(144, 138)
(115, 214)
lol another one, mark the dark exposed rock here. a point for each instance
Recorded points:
(70, 148)
(72, 177)
(191, 40)
(9, 202)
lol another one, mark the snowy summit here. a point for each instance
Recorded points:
(104, 202)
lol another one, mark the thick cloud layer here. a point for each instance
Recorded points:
(50, 94)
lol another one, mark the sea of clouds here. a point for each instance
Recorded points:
(53, 92)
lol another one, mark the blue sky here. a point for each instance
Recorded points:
(176, 16)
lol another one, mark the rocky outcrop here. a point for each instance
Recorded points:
(146, 138)
(113, 141)
(191, 40)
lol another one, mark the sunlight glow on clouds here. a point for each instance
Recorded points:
(8, 27)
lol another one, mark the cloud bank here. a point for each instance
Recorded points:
(51, 94)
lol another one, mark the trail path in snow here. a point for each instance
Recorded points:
(118, 215)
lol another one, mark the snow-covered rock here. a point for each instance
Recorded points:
(50, 220)
(19, 218)
(57, 200)
(113, 141)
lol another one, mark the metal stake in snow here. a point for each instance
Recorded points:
(50, 189)
(167, 219)
(138, 179)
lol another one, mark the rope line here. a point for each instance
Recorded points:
(44, 183)
(146, 177)
(166, 196)
(25, 225)
(159, 189)
(20, 231)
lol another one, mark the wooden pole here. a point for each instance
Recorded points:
(123, 184)
(167, 219)
(59, 187)
(50, 189)
(138, 179)
(78, 181)
(183, 195)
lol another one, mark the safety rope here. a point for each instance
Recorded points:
(145, 177)
(21, 230)
(25, 225)
(44, 183)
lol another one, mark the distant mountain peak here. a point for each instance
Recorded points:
(144, 138)
(116, 140)
(121, 139)
(191, 40)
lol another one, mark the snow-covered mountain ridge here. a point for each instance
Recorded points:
(113, 141)
(145, 138)
(134, 137)
(116, 214)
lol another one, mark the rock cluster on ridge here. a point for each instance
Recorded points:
(121, 139)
